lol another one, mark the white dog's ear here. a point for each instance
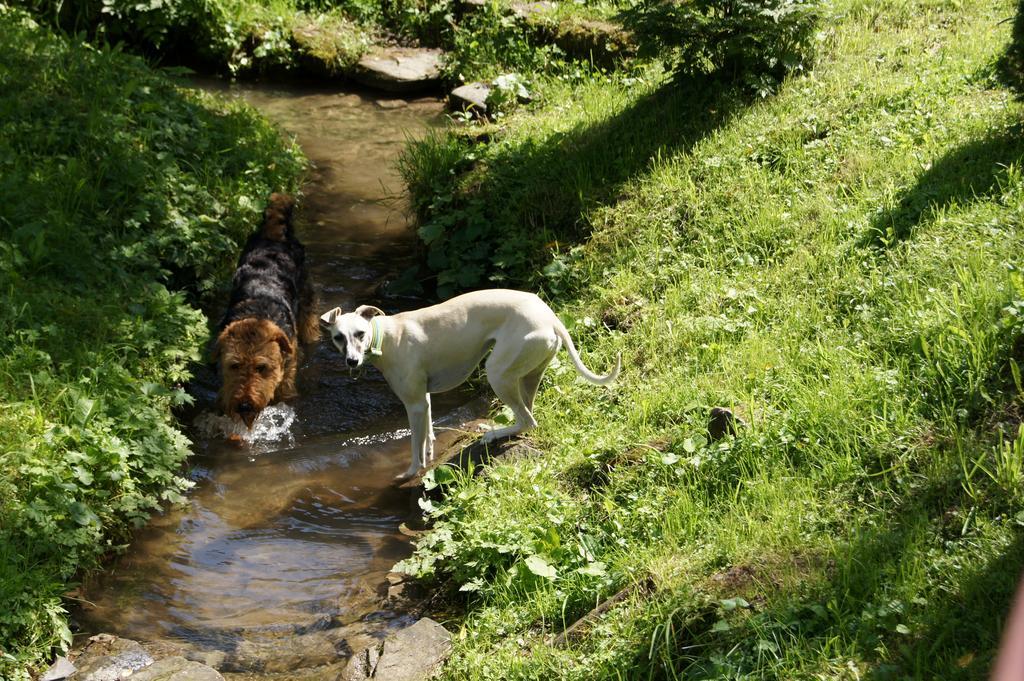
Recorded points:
(327, 318)
(368, 311)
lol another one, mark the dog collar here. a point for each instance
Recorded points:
(376, 337)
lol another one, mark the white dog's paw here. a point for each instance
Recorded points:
(408, 474)
(494, 434)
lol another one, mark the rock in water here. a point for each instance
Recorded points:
(109, 658)
(411, 654)
(177, 669)
(400, 69)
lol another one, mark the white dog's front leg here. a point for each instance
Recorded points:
(419, 424)
(430, 434)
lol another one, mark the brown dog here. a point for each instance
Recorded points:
(272, 305)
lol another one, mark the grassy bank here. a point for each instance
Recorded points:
(124, 199)
(839, 263)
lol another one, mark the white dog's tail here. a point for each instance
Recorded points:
(586, 373)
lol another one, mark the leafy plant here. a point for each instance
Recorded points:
(232, 35)
(507, 91)
(490, 41)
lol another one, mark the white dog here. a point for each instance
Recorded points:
(436, 349)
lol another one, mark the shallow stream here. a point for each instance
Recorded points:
(276, 562)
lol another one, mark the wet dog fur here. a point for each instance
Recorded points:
(271, 311)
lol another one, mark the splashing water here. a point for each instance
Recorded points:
(378, 438)
(272, 425)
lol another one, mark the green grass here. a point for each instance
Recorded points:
(841, 264)
(124, 197)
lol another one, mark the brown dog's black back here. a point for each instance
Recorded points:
(277, 217)
(270, 281)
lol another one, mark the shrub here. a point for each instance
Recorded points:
(756, 41)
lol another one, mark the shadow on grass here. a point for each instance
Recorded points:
(921, 593)
(973, 172)
(949, 631)
(589, 164)
(1011, 65)
(954, 630)
(498, 221)
(963, 626)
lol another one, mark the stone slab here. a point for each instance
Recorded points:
(400, 69)
(470, 97)
(525, 10)
(448, 446)
(110, 658)
(177, 668)
(411, 654)
(604, 42)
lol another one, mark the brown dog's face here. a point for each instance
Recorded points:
(253, 356)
